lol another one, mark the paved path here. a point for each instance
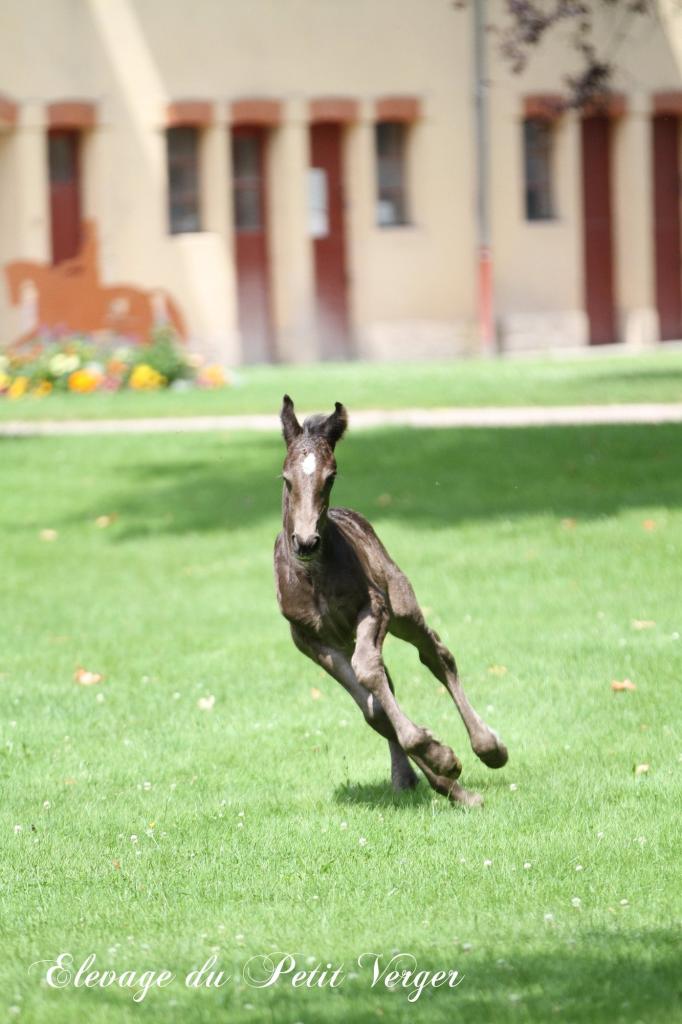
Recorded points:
(525, 416)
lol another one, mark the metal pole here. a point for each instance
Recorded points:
(486, 317)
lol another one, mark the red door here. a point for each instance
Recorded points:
(65, 203)
(328, 229)
(667, 225)
(251, 242)
(598, 234)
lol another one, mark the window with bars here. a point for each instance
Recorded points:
(183, 179)
(538, 144)
(391, 147)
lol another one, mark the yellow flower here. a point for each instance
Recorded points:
(83, 381)
(212, 377)
(18, 387)
(146, 378)
(42, 389)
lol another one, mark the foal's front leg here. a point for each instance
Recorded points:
(370, 672)
(338, 665)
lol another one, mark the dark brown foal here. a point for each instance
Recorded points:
(342, 593)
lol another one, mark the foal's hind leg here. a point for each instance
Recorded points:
(433, 653)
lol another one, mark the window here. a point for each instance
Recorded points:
(183, 179)
(538, 139)
(63, 150)
(247, 179)
(391, 186)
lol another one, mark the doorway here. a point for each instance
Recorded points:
(598, 229)
(327, 226)
(249, 153)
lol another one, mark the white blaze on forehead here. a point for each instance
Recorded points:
(309, 464)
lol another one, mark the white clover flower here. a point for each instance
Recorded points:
(344, 824)
(133, 839)
(362, 841)
(487, 863)
(625, 903)
(17, 829)
(46, 805)
(578, 867)
(527, 865)
(146, 785)
(513, 786)
(576, 901)
(549, 917)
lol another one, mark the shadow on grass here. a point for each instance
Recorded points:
(610, 977)
(431, 478)
(381, 794)
(599, 977)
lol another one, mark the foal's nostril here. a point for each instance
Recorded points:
(305, 545)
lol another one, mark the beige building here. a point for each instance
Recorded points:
(296, 179)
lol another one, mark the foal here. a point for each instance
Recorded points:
(342, 593)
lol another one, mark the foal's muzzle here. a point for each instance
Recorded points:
(305, 547)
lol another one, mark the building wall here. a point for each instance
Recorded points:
(412, 290)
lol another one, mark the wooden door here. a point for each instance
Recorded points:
(65, 202)
(668, 262)
(328, 230)
(598, 231)
(251, 242)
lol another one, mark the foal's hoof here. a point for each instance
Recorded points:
(405, 779)
(440, 759)
(492, 752)
(466, 797)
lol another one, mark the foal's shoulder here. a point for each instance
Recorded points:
(358, 531)
(351, 522)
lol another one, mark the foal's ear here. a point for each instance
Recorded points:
(334, 427)
(291, 428)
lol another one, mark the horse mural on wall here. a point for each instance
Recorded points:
(70, 297)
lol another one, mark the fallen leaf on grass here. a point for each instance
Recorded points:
(315, 693)
(642, 623)
(117, 865)
(568, 524)
(649, 524)
(103, 521)
(617, 685)
(87, 678)
(641, 769)
(497, 670)
(48, 535)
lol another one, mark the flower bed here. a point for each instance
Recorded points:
(82, 365)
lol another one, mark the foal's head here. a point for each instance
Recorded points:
(309, 472)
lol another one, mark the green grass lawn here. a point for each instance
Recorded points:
(593, 378)
(549, 560)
